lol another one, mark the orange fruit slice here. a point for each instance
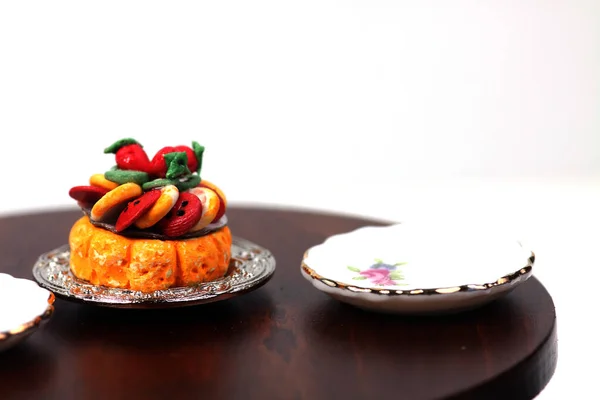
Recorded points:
(113, 200)
(219, 193)
(168, 197)
(213, 187)
(210, 206)
(100, 181)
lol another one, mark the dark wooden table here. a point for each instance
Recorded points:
(284, 341)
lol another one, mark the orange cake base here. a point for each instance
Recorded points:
(105, 258)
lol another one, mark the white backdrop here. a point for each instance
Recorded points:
(388, 109)
(293, 97)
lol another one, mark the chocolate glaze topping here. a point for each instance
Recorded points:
(134, 232)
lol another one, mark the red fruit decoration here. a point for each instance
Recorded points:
(159, 166)
(87, 194)
(221, 211)
(183, 216)
(129, 155)
(135, 209)
(191, 156)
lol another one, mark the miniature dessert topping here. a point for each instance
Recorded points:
(135, 209)
(183, 216)
(87, 194)
(106, 206)
(129, 155)
(163, 197)
(99, 180)
(168, 197)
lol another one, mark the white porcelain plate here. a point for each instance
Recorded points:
(417, 269)
(23, 306)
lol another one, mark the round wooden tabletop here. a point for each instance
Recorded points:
(285, 340)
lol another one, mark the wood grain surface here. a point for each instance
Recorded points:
(283, 341)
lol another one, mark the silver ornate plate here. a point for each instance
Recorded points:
(251, 267)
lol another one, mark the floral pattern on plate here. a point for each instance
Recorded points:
(381, 274)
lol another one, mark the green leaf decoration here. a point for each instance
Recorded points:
(199, 151)
(122, 176)
(379, 261)
(113, 148)
(183, 183)
(353, 269)
(177, 163)
(187, 182)
(156, 183)
(396, 276)
(359, 278)
(401, 263)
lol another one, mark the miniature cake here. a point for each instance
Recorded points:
(150, 224)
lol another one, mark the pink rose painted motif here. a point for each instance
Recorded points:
(381, 274)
